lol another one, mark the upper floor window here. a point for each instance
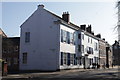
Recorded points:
(82, 36)
(88, 39)
(82, 48)
(68, 37)
(89, 50)
(64, 36)
(79, 36)
(79, 48)
(27, 37)
(96, 46)
(74, 39)
(91, 40)
(71, 38)
(61, 35)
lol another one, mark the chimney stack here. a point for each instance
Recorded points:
(103, 39)
(89, 28)
(92, 32)
(66, 16)
(83, 27)
(98, 35)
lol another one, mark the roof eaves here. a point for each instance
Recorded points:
(64, 22)
(90, 35)
(70, 25)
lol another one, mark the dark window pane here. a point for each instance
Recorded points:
(68, 58)
(79, 36)
(24, 58)
(61, 35)
(61, 58)
(27, 37)
(68, 37)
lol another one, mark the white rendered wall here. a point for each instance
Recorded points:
(43, 49)
(67, 48)
(92, 45)
(64, 47)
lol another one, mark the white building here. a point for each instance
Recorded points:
(89, 47)
(48, 42)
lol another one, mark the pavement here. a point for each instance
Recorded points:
(79, 74)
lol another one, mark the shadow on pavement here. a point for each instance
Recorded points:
(63, 79)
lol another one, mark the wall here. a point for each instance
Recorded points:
(43, 49)
(67, 48)
(89, 44)
(102, 52)
(10, 53)
(64, 47)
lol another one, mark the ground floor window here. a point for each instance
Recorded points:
(96, 59)
(80, 62)
(91, 61)
(61, 58)
(75, 61)
(64, 58)
(24, 58)
(68, 59)
(71, 59)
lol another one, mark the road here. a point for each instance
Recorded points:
(80, 74)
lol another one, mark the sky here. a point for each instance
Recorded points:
(101, 15)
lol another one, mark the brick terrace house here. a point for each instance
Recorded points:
(102, 51)
(10, 53)
(109, 55)
(2, 34)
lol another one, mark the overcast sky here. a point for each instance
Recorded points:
(101, 15)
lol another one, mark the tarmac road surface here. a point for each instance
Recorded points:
(76, 74)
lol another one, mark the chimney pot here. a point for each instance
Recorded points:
(92, 32)
(98, 35)
(103, 39)
(89, 29)
(41, 6)
(83, 27)
(66, 16)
